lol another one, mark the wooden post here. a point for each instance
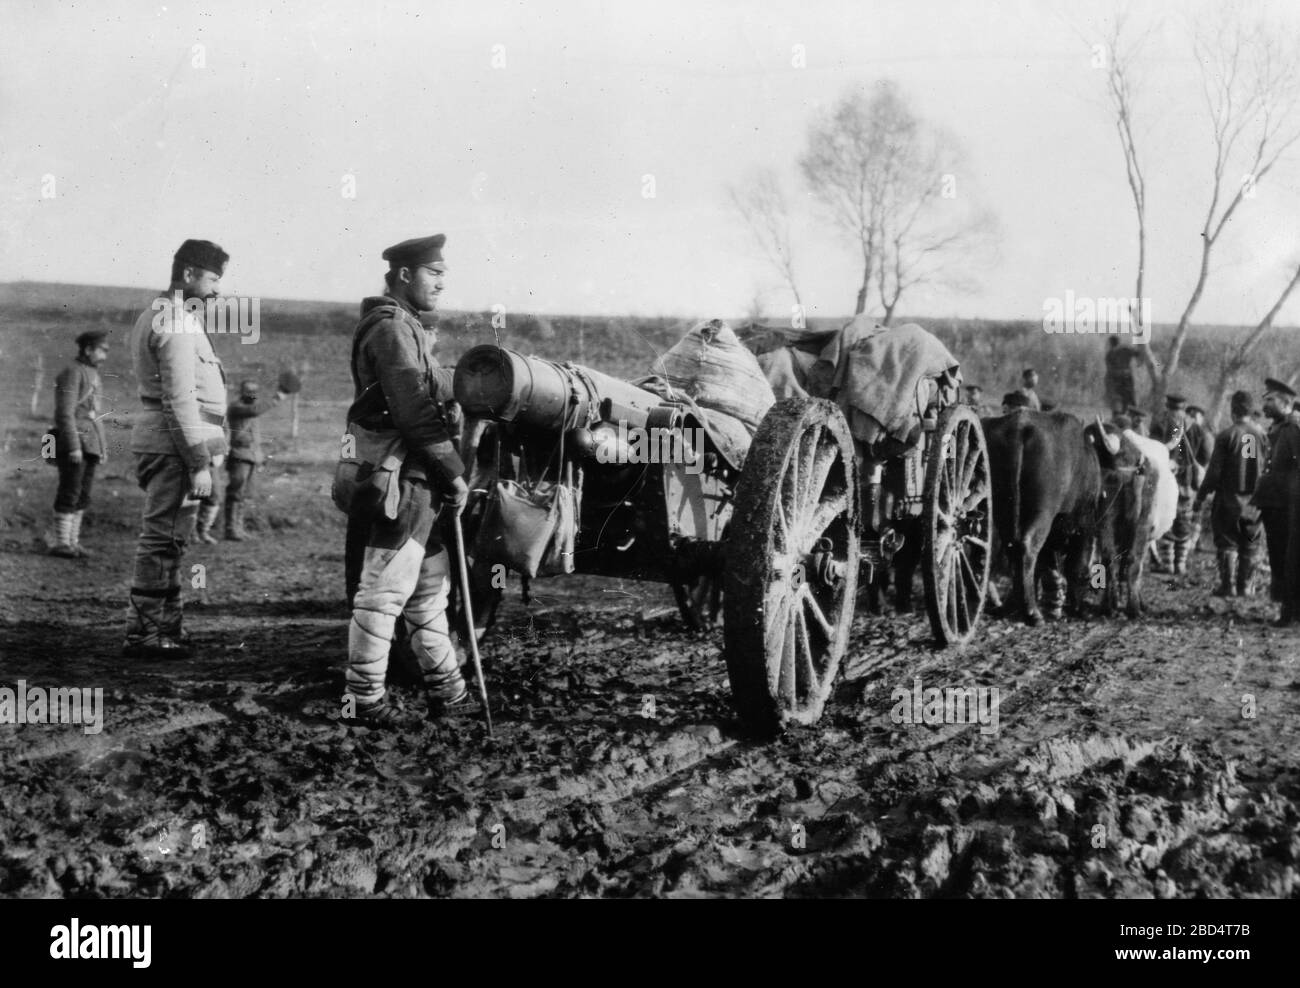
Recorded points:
(293, 424)
(39, 383)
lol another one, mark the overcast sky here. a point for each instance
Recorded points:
(535, 168)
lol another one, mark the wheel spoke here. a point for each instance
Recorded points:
(808, 450)
(788, 664)
(819, 616)
(825, 513)
(809, 671)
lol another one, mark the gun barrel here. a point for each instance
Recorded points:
(498, 383)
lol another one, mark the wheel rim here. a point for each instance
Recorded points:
(958, 527)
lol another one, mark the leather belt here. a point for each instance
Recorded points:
(213, 418)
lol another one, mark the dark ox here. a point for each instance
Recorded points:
(1063, 489)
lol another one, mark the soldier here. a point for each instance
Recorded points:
(245, 452)
(1278, 498)
(178, 438)
(1028, 388)
(1140, 423)
(409, 471)
(1120, 389)
(79, 446)
(1189, 453)
(975, 398)
(1233, 474)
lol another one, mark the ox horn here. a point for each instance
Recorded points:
(1112, 442)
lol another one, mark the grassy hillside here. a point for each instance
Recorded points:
(38, 322)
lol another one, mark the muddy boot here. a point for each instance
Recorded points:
(1246, 576)
(235, 521)
(203, 526)
(1227, 574)
(59, 536)
(144, 629)
(383, 716)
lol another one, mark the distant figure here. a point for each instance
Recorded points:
(1189, 452)
(79, 446)
(1235, 468)
(1029, 388)
(1013, 401)
(1141, 422)
(975, 398)
(1197, 414)
(245, 452)
(1119, 373)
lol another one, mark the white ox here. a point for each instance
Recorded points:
(1157, 462)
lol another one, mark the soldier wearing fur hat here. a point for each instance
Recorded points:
(1233, 475)
(178, 440)
(404, 473)
(79, 445)
(1189, 454)
(1278, 499)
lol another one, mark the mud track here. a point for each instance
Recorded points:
(1135, 759)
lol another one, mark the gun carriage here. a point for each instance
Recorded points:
(771, 535)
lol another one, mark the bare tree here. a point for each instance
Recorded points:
(1251, 79)
(1121, 53)
(762, 205)
(889, 183)
(1237, 360)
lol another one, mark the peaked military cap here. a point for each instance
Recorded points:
(1272, 384)
(421, 250)
(92, 337)
(1175, 402)
(202, 254)
(1015, 399)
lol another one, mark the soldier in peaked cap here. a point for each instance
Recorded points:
(1278, 498)
(79, 445)
(404, 473)
(179, 439)
(1189, 454)
(1233, 475)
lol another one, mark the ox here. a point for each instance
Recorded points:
(1063, 488)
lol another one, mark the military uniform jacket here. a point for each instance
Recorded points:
(401, 389)
(1237, 463)
(182, 387)
(245, 435)
(1280, 485)
(77, 396)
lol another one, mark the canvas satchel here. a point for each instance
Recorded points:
(370, 465)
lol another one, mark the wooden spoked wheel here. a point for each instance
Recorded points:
(957, 525)
(792, 565)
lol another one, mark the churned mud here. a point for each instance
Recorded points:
(1130, 759)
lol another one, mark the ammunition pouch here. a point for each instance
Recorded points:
(369, 469)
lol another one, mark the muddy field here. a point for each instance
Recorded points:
(1145, 759)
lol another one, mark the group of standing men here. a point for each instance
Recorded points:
(408, 468)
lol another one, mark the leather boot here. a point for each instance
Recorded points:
(59, 536)
(235, 521)
(1245, 576)
(1227, 574)
(203, 525)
